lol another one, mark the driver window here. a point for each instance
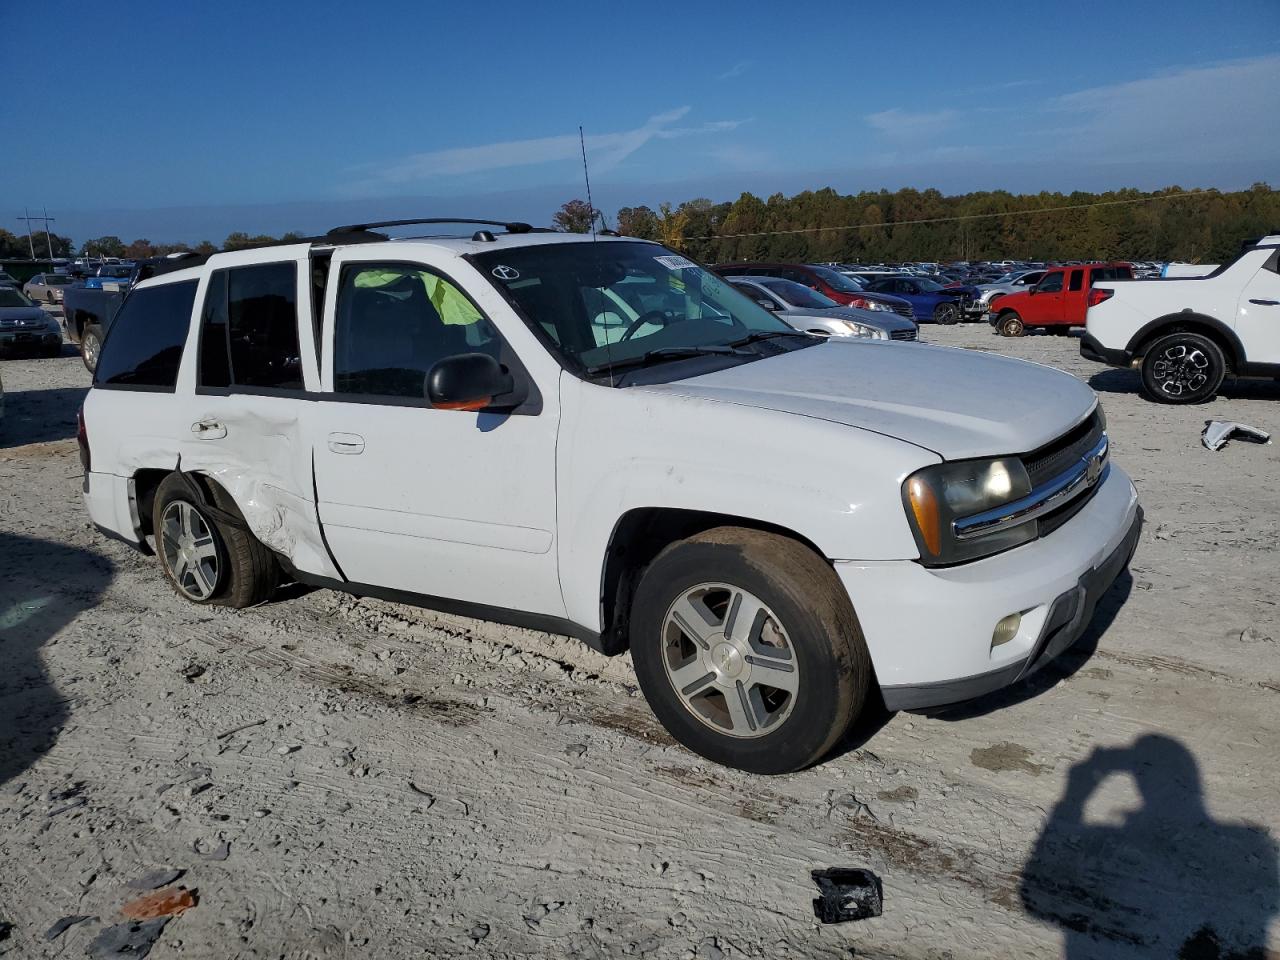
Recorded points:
(394, 322)
(1052, 283)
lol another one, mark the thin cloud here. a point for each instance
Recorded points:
(606, 150)
(737, 70)
(904, 125)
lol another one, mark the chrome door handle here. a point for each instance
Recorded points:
(208, 430)
(1266, 303)
(348, 443)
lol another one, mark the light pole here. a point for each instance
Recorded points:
(48, 239)
(30, 243)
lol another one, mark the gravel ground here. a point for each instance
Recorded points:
(340, 778)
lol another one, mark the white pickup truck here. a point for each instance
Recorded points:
(1186, 333)
(597, 437)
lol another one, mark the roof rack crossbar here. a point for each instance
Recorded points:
(509, 226)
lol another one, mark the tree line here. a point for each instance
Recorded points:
(822, 225)
(825, 226)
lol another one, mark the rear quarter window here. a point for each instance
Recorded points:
(143, 347)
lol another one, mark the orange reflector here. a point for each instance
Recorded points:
(924, 504)
(464, 404)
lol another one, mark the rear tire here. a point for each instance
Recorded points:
(803, 635)
(91, 346)
(209, 561)
(1010, 325)
(1181, 368)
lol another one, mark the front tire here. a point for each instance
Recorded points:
(1010, 325)
(946, 313)
(1182, 367)
(207, 560)
(748, 650)
(91, 346)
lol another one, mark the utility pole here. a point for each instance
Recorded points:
(30, 243)
(48, 239)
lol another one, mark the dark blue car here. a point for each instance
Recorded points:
(930, 299)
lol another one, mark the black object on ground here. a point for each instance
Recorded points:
(847, 894)
(65, 924)
(132, 939)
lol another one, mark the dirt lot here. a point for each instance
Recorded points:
(352, 778)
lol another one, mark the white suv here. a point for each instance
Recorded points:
(597, 437)
(1186, 333)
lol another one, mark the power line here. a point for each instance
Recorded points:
(969, 216)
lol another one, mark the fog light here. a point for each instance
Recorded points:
(1006, 630)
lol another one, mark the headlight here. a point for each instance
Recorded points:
(862, 330)
(937, 496)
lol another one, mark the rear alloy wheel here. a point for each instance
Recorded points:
(1182, 368)
(748, 650)
(1010, 325)
(91, 346)
(947, 313)
(206, 557)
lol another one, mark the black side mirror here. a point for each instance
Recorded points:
(468, 381)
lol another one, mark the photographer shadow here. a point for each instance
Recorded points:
(1166, 880)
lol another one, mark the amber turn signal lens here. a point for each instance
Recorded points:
(924, 504)
(463, 404)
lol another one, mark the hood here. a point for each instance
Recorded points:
(880, 319)
(22, 313)
(956, 403)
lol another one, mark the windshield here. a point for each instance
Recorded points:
(122, 272)
(836, 280)
(56, 279)
(605, 302)
(13, 298)
(928, 286)
(797, 294)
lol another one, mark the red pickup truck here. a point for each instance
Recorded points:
(1057, 303)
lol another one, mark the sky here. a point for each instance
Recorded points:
(187, 121)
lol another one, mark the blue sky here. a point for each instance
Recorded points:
(181, 121)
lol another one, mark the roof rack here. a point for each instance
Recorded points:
(509, 226)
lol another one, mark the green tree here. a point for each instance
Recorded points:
(575, 216)
(242, 241)
(638, 222)
(109, 246)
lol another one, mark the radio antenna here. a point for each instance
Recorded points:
(582, 142)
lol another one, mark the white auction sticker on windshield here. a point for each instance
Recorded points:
(676, 263)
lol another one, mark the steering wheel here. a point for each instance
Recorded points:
(660, 317)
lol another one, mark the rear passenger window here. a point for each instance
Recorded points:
(144, 344)
(249, 329)
(394, 322)
(1077, 280)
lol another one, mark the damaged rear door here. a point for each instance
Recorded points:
(253, 364)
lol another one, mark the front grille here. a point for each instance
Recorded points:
(1056, 457)
(904, 310)
(902, 334)
(1052, 521)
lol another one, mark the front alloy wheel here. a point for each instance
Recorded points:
(190, 551)
(947, 313)
(729, 660)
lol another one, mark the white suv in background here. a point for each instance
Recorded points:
(1186, 333)
(779, 526)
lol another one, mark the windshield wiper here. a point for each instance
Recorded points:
(661, 355)
(766, 335)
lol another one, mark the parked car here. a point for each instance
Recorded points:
(929, 300)
(1058, 301)
(772, 522)
(1185, 334)
(830, 283)
(1013, 282)
(26, 327)
(811, 312)
(6, 280)
(46, 286)
(89, 305)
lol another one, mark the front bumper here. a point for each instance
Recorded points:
(29, 339)
(929, 631)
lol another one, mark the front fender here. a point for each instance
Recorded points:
(621, 450)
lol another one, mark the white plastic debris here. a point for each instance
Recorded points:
(1217, 432)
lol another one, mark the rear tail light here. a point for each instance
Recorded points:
(82, 438)
(1097, 296)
